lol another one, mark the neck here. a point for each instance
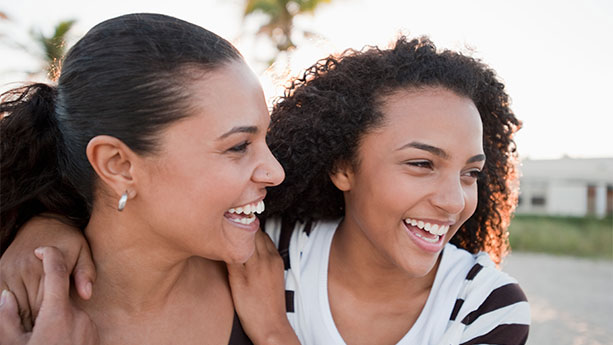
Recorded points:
(137, 270)
(369, 273)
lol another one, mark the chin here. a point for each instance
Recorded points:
(419, 267)
(240, 255)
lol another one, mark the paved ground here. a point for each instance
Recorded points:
(571, 299)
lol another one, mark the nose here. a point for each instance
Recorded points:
(450, 195)
(269, 171)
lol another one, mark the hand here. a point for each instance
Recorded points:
(21, 272)
(58, 322)
(258, 291)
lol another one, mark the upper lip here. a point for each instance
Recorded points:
(250, 203)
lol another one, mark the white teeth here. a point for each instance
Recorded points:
(249, 209)
(431, 240)
(434, 229)
(245, 221)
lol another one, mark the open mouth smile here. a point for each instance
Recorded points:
(245, 214)
(428, 235)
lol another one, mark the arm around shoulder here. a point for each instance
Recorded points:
(21, 272)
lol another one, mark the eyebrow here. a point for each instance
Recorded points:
(438, 151)
(476, 158)
(240, 129)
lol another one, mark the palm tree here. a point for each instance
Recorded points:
(54, 47)
(280, 15)
(48, 49)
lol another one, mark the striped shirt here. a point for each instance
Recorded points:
(470, 302)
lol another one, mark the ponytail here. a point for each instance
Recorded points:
(31, 181)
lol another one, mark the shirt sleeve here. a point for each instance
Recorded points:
(491, 309)
(502, 318)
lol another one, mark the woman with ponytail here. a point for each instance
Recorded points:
(152, 139)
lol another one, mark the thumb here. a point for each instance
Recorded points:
(56, 280)
(235, 269)
(84, 273)
(236, 274)
(11, 329)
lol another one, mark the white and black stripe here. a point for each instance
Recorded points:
(490, 307)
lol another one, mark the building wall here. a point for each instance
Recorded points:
(567, 187)
(567, 198)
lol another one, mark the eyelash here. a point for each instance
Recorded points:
(240, 148)
(476, 174)
(421, 164)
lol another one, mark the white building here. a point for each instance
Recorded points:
(566, 187)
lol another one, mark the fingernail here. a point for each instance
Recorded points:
(5, 294)
(88, 289)
(38, 251)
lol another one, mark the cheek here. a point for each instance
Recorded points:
(472, 197)
(188, 188)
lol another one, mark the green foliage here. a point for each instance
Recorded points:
(275, 7)
(575, 236)
(54, 46)
(280, 18)
(309, 5)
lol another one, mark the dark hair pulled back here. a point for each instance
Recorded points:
(129, 78)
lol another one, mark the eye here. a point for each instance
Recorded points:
(240, 148)
(474, 174)
(420, 164)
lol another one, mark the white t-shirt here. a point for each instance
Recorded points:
(309, 309)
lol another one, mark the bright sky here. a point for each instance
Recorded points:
(555, 56)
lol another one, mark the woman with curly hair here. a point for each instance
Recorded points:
(391, 154)
(400, 185)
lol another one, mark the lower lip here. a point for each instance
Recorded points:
(421, 243)
(253, 227)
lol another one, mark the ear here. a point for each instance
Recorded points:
(343, 177)
(113, 161)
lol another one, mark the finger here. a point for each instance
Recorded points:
(235, 269)
(11, 330)
(236, 275)
(35, 306)
(56, 279)
(23, 302)
(84, 273)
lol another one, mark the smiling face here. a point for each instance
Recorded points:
(201, 191)
(416, 179)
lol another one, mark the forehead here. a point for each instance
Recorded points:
(232, 85)
(228, 96)
(435, 116)
(428, 104)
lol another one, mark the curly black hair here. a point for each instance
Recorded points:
(324, 113)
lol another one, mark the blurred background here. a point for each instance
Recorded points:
(554, 57)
